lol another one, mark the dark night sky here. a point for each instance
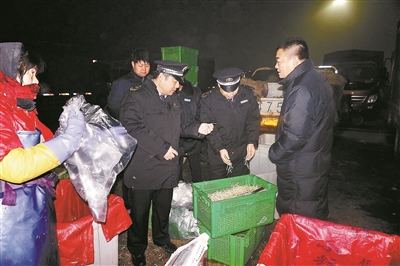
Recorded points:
(235, 33)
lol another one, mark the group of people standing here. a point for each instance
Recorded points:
(170, 118)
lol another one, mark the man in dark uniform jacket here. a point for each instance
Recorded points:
(140, 69)
(152, 115)
(236, 114)
(189, 99)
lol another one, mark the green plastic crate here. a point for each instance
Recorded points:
(233, 215)
(192, 75)
(180, 54)
(234, 249)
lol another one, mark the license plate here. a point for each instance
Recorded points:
(271, 105)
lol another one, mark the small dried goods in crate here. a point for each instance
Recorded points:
(236, 214)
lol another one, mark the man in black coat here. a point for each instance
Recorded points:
(152, 115)
(189, 99)
(302, 150)
(234, 110)
(140, 69)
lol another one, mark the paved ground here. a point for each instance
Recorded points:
(363, 190)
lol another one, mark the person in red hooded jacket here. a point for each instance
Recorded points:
(28, 151)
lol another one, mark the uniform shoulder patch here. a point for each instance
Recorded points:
(205, 94)
(135, 88)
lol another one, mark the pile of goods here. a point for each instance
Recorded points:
(235, 191)
(233, 212)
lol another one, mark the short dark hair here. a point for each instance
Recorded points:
(29, 60)
(141, 55)
(297, 44)
(156, 73)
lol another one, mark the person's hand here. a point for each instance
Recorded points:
(171, 154)
(65, 144)
(225, 156)
(205, 128)
(75, 128)
(251, 151)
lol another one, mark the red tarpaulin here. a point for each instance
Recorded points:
(298, 240)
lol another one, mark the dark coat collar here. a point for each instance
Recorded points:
(187, 88)
(298, 71)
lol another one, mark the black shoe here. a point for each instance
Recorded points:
(139, 260)
(169, 248)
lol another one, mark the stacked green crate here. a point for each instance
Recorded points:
(234, 249)
(233, 215)
(236, 225)
(183, 55)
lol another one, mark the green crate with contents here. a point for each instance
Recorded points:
(231, 205)
(235, 249)
(180, 54)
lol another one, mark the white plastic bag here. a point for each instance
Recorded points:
(193, 253)
(182, 196)
(105, 150)
(182, 224)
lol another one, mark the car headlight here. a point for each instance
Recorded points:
(372, 98)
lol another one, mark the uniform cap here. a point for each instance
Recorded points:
(175, 69)
(228, 78)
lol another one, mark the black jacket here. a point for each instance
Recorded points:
(156, 125)
(118, 89)
(236, 125)
(302, 151)
(189, 99)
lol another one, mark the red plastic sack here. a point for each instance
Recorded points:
(74, 224)
(298, 240)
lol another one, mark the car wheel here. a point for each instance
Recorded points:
(357, 119)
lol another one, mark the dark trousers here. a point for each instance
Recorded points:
(120, 178)
(194, 165)
(140, 202)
